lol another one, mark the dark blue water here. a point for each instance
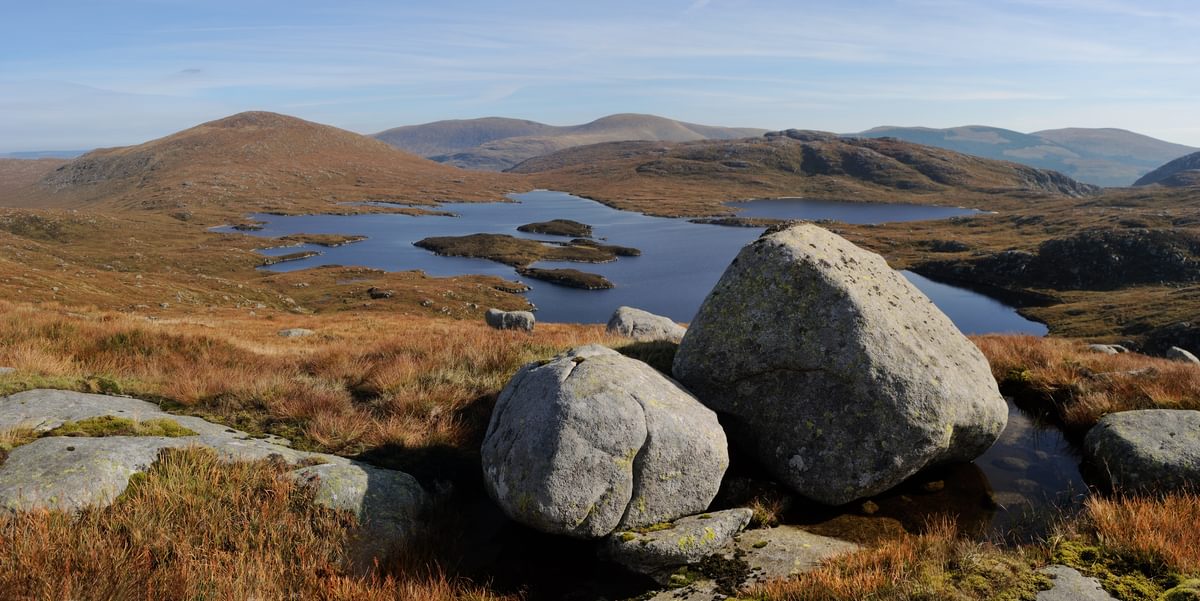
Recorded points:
(680, 262)
(847, 212)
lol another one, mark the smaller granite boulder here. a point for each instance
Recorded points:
(1151, 450)
(1177, 354)
(593, 441)
(509, 320)
(1107, 349)
(660, 549)
(7, 370)
(644, 326)
(295, 333)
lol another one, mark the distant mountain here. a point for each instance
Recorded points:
(670, 178)
(43, 154)
(255, 161)
(1183, 171)
(497, 144)
(1105, 157)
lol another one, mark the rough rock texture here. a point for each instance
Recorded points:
(1177, 354)
(1107, 349)
(387, 503)
(644, 325)
(592, 441)
(1147, 450)
(771, 554)
(839, 375)
(295, 333)
(1070, 585)
(70, 473)
(657, 553)
(509, 320)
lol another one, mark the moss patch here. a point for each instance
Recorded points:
(109, 425)
(1127, 576)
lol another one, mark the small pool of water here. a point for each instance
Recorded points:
(846, 212)
(680, 262)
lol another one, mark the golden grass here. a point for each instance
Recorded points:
(356, 384)
(934, 565)
(1079, 386)
(197, 528)
(1165, 528)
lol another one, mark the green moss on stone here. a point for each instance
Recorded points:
(110, 425)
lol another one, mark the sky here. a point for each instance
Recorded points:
(87, 73)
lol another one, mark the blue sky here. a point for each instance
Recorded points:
(80, 74)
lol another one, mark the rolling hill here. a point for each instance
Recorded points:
(17, 174)
(693, 178)
(1105, 156)
(497, 144)
(255, 161)
(1181, 172)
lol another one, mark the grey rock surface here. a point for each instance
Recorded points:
(1107, 349)
(771, 554)
(657, 553)
(509, 320)
(1070, 585)
(70, 474)
(592, 441)
(387, 503)
(839, 375)
(295, 332)
(7, 370)
(1147, 450)
(644, 326)
(1177, 354)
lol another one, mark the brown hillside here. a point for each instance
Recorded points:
(16, 174)
(256, 161)
(693, 178)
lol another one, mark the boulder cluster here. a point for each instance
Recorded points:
(836, 374)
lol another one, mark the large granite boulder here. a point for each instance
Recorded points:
(835, 371)
(509, 320)
(644, 326)
(1155, 450)
(1177, 354)
(592, 441)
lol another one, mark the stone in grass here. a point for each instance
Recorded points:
(644, 326)
(295, 333)
(1069, 585)
(591, 442)
(1177, 354)
(509, 320)
(1149, 450)
(657, 551)
(387, 503)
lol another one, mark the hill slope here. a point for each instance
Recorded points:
(1105, 157)
(692, 178)
(255, 160)
(497, 144)
(1183, 171)
(16, 174)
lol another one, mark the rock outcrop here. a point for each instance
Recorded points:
(592, 441)
(838, 374)
(644, 326)
(72, 473)
(686, 541)
(509, 320)
(1150, 450)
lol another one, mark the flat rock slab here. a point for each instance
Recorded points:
(686, 542)
(1070, 585)
(1155, 450)
(644, 326)
(71, 473)
(772, 554)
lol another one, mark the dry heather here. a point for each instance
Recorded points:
(358, 383)
(196, 528)
(1078, 387)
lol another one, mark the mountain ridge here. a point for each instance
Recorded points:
(498, 143)
(1179, 173)
(1109, 157)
